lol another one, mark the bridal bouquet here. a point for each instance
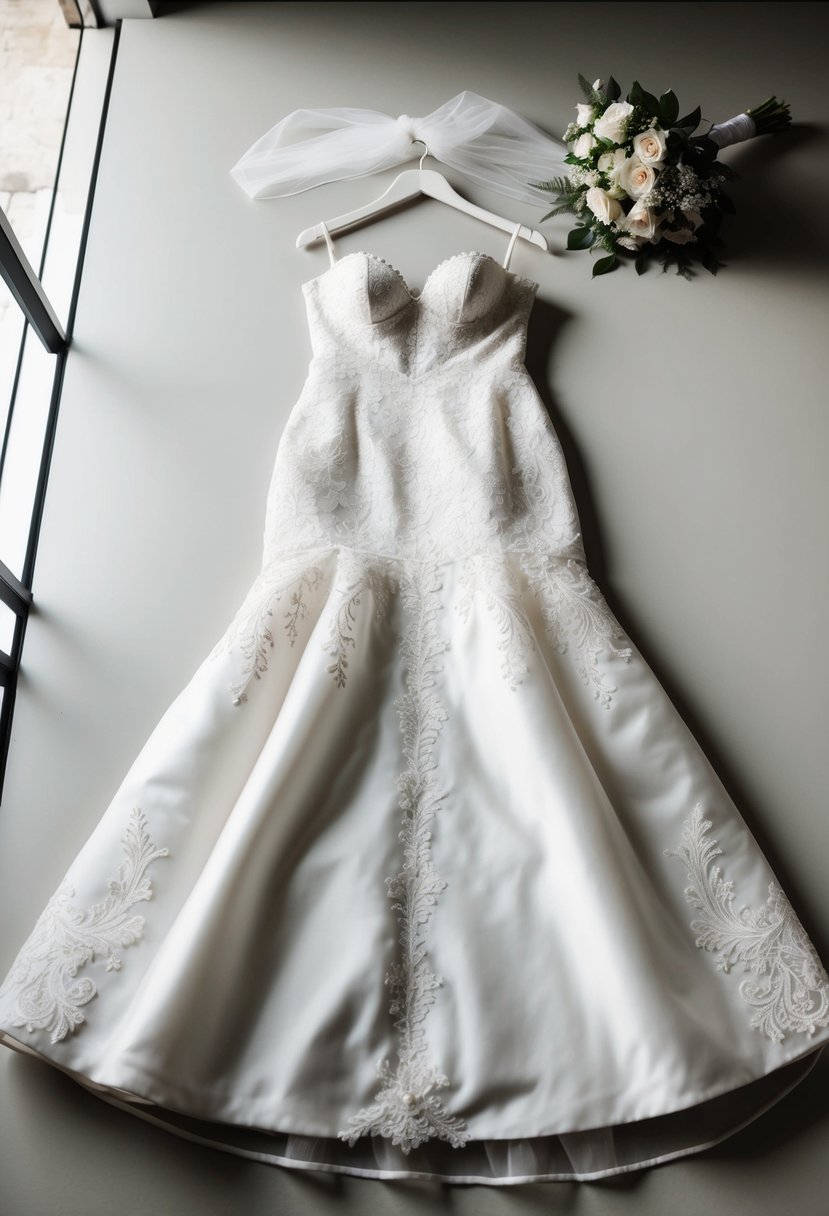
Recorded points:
(642, 183)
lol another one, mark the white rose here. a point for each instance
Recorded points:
(630, 242)
(584, 115)
(609, 163)
(611, 123)
(694, 219)
(597, 84)
(640, 221)
(635, 177)
(650, 146)
(604, 207)
(584, 145)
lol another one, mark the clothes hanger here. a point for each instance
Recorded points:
(411, 184)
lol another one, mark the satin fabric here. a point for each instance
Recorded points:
(423, 760)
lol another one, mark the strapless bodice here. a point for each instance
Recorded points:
(418, 430)
(363, 305)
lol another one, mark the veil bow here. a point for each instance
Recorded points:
(485, 141)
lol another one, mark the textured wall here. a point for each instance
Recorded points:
(694, 420)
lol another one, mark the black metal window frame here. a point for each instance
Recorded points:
(39, 316)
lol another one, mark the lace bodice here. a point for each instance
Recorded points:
(418, 430)
(469, 303)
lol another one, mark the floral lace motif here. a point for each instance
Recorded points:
(489, 577)
(574, 610)
(292, 580)
(250, 633)
(358, 574)
(788, 988)
(407, 1109)
(43, 983)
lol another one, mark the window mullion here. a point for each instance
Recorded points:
(26, 289)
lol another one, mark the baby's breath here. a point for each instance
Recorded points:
(679, 186)
(582, 176)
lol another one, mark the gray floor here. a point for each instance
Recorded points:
(694, 420)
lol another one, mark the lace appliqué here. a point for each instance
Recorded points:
(788, 988)
(48, 995)
(574, 610)
(358, 576)
(251, 634)
(487, 577)
(407, 1109)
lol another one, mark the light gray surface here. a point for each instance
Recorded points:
(695, 424)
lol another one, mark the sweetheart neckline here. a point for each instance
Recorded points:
(466, 253)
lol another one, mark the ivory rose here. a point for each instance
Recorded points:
(636, 178)
(583, 146)
(584, 115)
(650, 146)
(640, 221)
(609, 163)
(604, 207)
(611, 124)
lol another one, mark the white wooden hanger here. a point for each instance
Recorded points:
(411, 184)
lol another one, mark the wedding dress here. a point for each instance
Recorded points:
(422, 874)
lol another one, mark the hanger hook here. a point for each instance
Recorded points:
(425, 150)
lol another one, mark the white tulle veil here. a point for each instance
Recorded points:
(485, 141)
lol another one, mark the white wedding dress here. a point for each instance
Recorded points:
(422, 874)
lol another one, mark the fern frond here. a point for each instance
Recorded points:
(556, 185)
(560, 210)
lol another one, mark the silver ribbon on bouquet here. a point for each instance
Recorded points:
(483, 140)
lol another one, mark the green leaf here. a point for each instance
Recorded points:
(594, 96)
(690, 121)
(668, 108)
(705, 146)
(586, 87)
(641, 263)
(613, 90)
(605, 265)
(580, 238)
(636, 96)
(650, 103)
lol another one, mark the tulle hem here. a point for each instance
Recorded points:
(582, 1156)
